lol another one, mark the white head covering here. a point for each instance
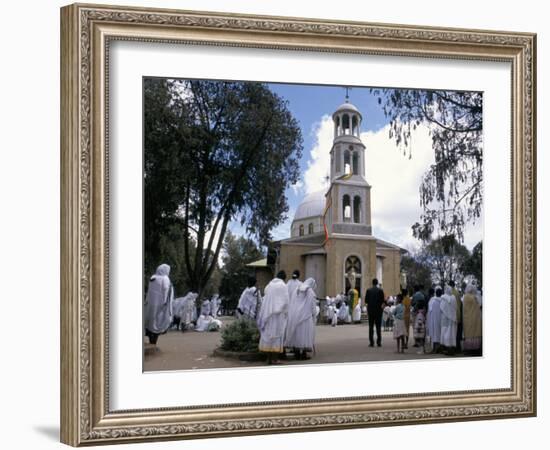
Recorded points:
(158, 307)
(470, 289)
(162, 271)
(308, 284)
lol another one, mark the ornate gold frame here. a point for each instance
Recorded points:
(86, 31)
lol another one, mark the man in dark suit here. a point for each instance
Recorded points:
(374, 300)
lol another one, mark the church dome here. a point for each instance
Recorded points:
(347, 107)
(312, 205)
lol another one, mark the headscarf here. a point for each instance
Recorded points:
(158, 304)
(448, 304)
(275, 301)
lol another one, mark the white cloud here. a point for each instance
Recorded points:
(318, 166)
(395, 179)
(297, 187)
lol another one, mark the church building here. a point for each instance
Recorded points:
(331, 234)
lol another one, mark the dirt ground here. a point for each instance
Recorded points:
(345, 343)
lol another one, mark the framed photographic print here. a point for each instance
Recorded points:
(276, 224)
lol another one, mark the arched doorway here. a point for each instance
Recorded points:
(353, 263)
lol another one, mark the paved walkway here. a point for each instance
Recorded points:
(344, 343)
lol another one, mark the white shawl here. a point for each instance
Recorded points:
(158, 303)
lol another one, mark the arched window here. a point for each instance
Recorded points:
(347, 162)
(337, 126)
(355, 126)
(301, 230)
(346, 208)
(357, 209)
(310, 229)
(346, 125)
(356, 163)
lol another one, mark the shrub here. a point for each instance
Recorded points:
(240, 336)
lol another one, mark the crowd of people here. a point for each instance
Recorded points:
(442, 320)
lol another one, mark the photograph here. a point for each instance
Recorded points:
(290, 224)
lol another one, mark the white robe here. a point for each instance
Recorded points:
(433, 322)
(215, 305)
(292, 285)
(158, 303)
(300, 331)
(189, 310)
(206, 308)
(448, 320)
(272, 317)
(248, 303)
(357, 313)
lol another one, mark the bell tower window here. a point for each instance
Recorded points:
(346, 208)
(357, 209)
(346, 125)
(356, 163)
(347, 162)
(301, 230)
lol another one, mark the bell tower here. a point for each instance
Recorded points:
(349, 191)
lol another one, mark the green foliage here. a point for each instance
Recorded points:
(240, 336)
(474, 264)
(451, 193)
(238, 252)
(418, 270)
(442, 260)
(446, 257)
(215, 152)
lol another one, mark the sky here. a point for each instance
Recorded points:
(395, 178)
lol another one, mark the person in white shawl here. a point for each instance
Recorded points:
(343, 309)
(205, 318)
(189, 312)
(448, 320)
(272, 318)
(300, 329)
(293, 284)
(215, 305)
(182, 310)
(433, 322)
(158, 304)
(250, 301)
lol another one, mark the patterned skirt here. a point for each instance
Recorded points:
(399, 328)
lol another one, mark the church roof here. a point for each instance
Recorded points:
(347, 106)
(312, 205)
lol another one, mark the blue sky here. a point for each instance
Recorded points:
(395, 179)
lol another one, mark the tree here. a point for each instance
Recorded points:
(238, 252)
(418, 270)
(474, 264)
(451, 191)
(216, 152)
(446, 257)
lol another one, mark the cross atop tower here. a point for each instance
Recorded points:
(347, 88)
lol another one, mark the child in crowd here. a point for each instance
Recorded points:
(420, 329)
(399, 331)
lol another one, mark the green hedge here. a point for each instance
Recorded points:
(240, 336)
